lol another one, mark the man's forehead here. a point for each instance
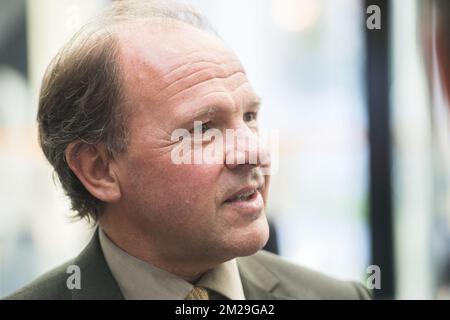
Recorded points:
(163, 56)
(168, 46)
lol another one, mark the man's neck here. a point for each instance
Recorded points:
(142, 247)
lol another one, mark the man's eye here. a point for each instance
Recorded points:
(201, 128)
(250, 116)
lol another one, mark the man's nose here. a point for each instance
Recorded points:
(244, 147)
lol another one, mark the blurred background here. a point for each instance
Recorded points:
(363, 175)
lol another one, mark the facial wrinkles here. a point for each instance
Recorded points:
(225, 93)
(197, 58)
(208, 74)
(193, 86)
(163, 143)
(198, 76)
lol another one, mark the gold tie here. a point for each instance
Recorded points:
(198, 293)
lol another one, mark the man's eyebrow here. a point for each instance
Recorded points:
(211, 109)
(256, 103)
(200, 113)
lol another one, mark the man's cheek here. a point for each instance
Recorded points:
(196, 182)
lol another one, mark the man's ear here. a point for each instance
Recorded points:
(95, 169)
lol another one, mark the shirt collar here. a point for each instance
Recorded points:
(140, 280)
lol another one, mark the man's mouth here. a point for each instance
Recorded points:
(244, 195)
(247, 202)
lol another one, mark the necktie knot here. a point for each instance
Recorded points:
(198, 293)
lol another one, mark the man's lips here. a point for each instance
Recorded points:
(244, 194)
(247, 201)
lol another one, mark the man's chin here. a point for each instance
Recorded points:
(253, 240)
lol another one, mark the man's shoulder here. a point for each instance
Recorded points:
(50, 286)
(95, 279)
(299, 282)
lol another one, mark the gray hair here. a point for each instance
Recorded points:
(81, 99)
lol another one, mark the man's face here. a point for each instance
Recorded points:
(172, 78)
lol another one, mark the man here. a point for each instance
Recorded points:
(109, 105)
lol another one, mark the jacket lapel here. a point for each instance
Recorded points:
(97, 282)
(258, 282)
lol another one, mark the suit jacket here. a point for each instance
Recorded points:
(264, 276)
